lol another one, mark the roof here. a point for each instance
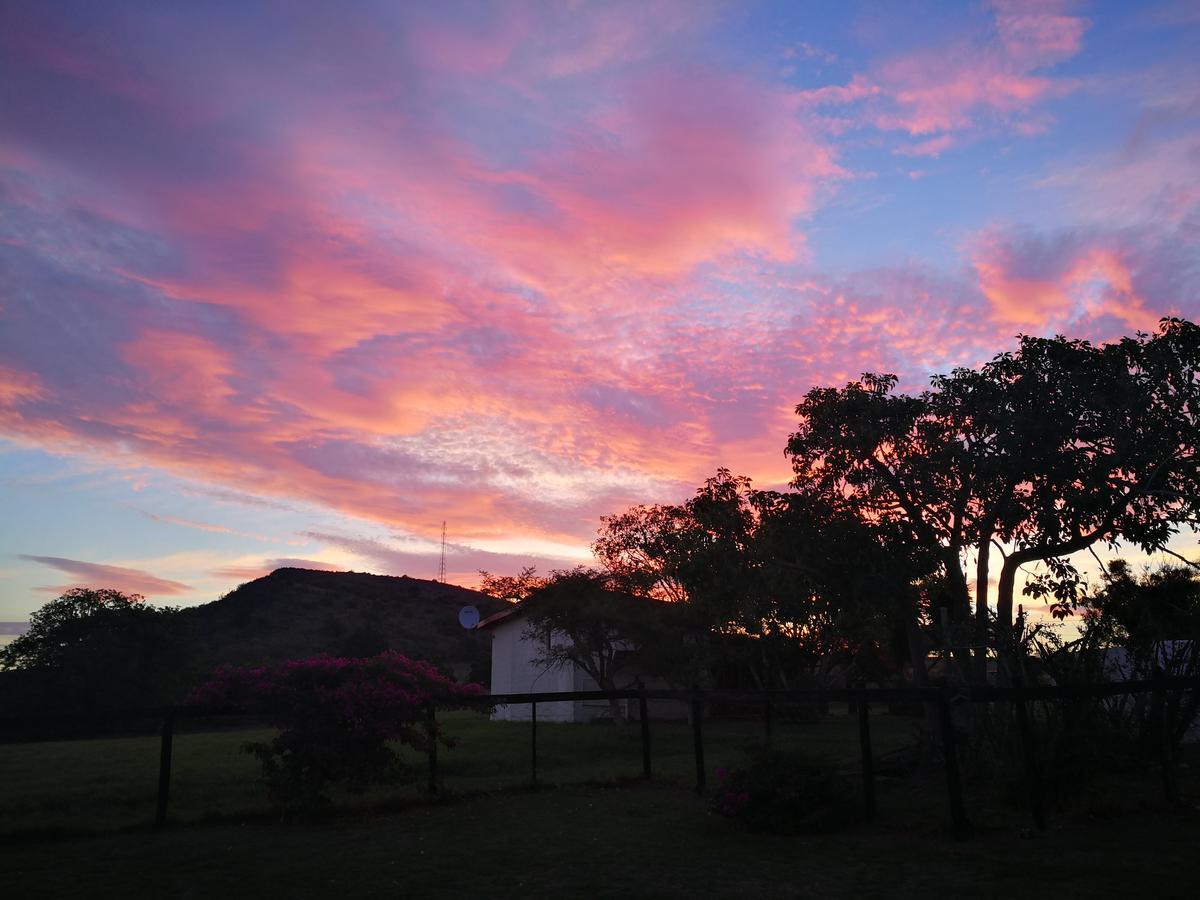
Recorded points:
(496, 618)
(519, 607)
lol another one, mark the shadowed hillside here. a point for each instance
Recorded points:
(294, 613)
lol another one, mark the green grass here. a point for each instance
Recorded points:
(110, 784)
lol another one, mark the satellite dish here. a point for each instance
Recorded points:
(468, 617)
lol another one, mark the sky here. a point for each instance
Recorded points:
(294, 283)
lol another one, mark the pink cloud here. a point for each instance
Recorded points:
(933, 147)
(17, 386)
(1052, 283)
(439, 284)
(690, 165)
(101, 575)
(994, 75)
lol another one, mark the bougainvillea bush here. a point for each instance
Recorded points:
(783, 793)
(337, 718)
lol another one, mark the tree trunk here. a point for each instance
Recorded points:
(1005, 636)
(981, 607)
(614, 705)
(918, 654)
(959, 608)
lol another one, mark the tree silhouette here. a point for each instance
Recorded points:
(1044, 452)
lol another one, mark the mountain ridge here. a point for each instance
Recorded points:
(294, 613)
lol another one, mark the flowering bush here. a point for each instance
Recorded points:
(336, 718)
(785, 794)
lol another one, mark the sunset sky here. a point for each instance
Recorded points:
(292, 283)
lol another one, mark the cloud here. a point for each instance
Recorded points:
(1064, 280)
(90, 574)
(986, 77)
(934, 147)
(210, 527)
(356, 302)
(512, 270)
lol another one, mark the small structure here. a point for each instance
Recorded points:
(515, 670)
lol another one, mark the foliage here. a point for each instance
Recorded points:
(801, 574)
(336, 717)
(1047, 450)
(701, 555)
(638, 548)
(843, 587)
(1132, 628)
(1147, 625)
(95, 648)
(784, 793)
(1162, 605)
(510, 588)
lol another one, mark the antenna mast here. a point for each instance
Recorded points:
(442, 568)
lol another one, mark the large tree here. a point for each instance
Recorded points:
(95, 648)
(896, 463)
(1042, 452)
(701, 555)
(800, 574)
(1102, 446)
(840, 585)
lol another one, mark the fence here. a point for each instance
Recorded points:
(942, 699)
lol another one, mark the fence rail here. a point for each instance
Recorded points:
(941, 699)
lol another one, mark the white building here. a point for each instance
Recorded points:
(515, 671)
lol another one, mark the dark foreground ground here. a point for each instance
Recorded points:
(620, 842)
(74, 814)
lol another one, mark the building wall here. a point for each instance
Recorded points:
(514, 672)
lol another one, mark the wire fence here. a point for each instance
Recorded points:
(940, 704)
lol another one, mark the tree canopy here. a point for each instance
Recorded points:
(1040, 453)
(98, 647)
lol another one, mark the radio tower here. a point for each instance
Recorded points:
(442, 568)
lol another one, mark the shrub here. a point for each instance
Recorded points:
(783, 793)
(336, 718)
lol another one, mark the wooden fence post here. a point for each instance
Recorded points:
(645, 721)
(1033, 774)
(1160, 717)
(533, 743)
(868, 762)
(958, 814)
(164, 767)
(698, 743)
(431, 737)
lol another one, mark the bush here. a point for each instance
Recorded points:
(782, 793)
(336, 718)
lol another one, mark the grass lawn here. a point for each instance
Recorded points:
(589, 831)
(104, 785)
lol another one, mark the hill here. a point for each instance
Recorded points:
(294, 613)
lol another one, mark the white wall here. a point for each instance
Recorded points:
(514, 672)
